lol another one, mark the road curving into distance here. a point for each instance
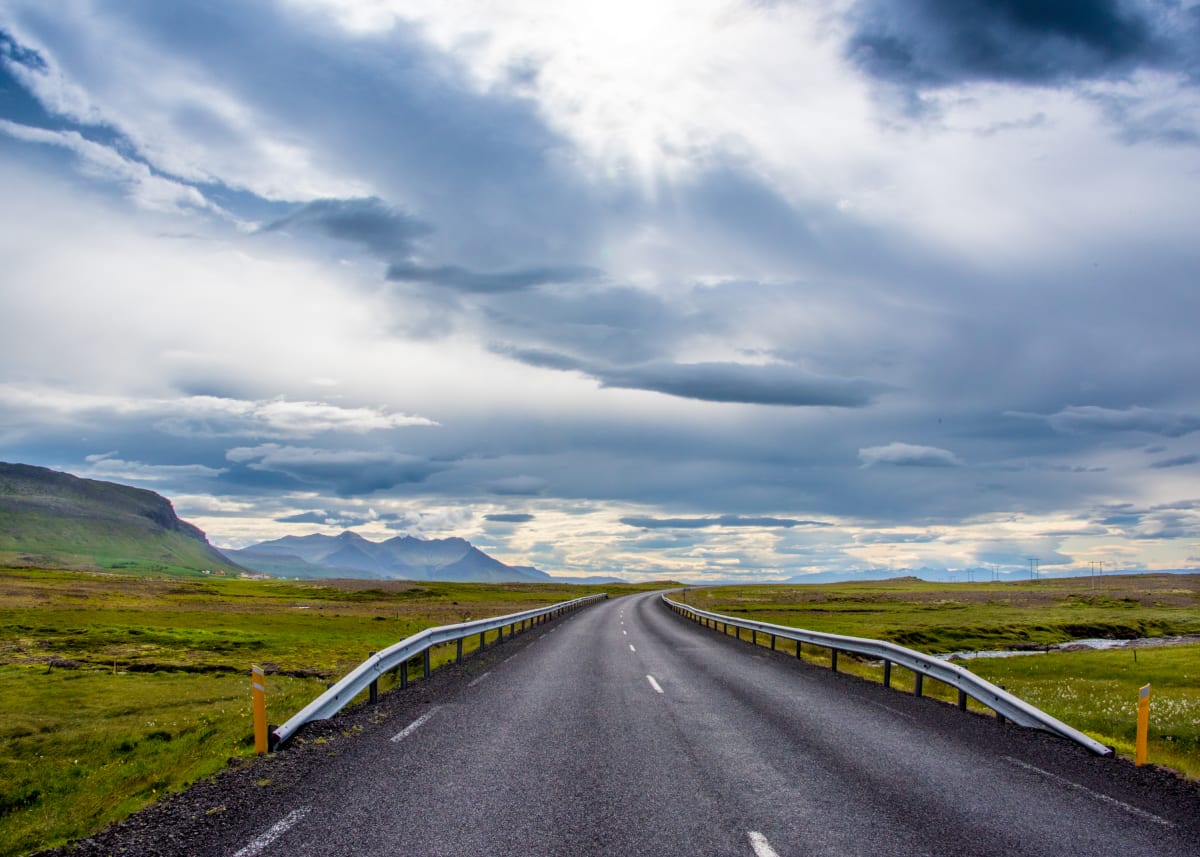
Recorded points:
(625, 729)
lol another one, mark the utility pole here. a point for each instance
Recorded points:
(1033, 563)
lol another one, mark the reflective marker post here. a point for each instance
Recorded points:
(1143, 726)
(258, 695)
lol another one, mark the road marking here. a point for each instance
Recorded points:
(509, 658)
(413, 727)
(479, 679)
(895, 711)
(631, 648)
(653, 683)
(624, 632)
(281, 827)
(762, 848)
(1099, 796)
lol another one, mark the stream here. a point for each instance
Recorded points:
(1076, 646)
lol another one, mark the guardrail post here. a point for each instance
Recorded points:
(799, 651)
(1141, 739)
(833, 659)
(962, 700)
(887, 673)
(918, 681)
(403, 674)
(373, 687)
(427, 670)
(753, 637)
(458, 656)
(772, 642)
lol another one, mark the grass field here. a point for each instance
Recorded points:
(1094, 691)
(117, 689)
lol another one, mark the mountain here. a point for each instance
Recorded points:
(402, 557)
(54, 519)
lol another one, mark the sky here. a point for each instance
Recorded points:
(706, 290)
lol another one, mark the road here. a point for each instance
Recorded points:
(626, 730)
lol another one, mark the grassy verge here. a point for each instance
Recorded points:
(117, 689)
(1094, 691)
(1097, 693)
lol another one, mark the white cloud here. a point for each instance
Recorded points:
(181, 118)
(107, 466)
(148, 190)
(908, 454)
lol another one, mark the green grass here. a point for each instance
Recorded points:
(1094, 691)
(117, 689)
(1097, 693)
(937, 617)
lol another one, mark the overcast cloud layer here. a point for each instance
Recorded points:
(706, 290)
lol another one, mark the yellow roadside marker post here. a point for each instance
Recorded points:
(1143, 726)
(258, 694)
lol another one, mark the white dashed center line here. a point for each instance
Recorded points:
(654, 684)
(762, 848)
(631, 648)
(413, 727)
(278, 829)
(476, 681)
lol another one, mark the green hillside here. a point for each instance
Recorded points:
(53, 519)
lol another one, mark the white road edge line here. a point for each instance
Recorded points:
(478, 679)
(280, 827)
(762, 848)
(631, 648)
(654, 684)
(413, 727)
(1141, 813)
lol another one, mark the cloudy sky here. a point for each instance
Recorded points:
(708, 289)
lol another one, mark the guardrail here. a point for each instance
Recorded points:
(366, 675)
(967, 683)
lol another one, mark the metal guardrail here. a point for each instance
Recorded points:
(365, 675)
(968, 684)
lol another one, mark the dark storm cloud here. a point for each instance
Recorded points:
(649, 523)
(455, 277)
(741, 383)
(383, 230)
(347, 472)
(13, 51)
(1180, 461)
(509, 518)
(944, 42)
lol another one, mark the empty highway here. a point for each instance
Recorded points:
(625, 730)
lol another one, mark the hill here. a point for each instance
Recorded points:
(54, 519)
(402, 557)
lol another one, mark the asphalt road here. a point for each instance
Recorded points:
(626, 730)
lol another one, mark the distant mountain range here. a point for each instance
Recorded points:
(402, 557)
(52, 519)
